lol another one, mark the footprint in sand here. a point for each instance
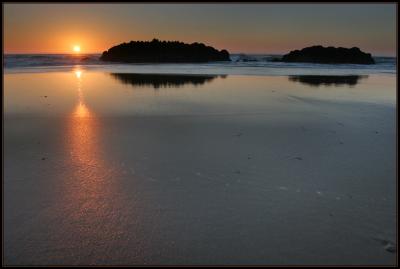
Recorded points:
(387, 245)
(390, 247)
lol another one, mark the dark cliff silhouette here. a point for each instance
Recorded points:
(329, 55)
(156, 51)
(317, 81)
(162, 80)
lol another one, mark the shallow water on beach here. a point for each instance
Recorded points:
(53, 94)
(120, 168)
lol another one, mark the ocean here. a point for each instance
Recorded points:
(240, 65)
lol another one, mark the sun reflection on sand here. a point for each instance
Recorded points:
(78, 74)
(83, 133)
(90, 203)
(90, 168)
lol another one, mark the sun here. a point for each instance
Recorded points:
(77, 49)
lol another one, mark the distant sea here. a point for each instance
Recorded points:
(245, 64)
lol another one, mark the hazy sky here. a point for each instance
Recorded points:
(251, 28)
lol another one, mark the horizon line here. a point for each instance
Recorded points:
(87, 53)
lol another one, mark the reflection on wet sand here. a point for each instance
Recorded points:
(90, 195)
(317, 81)
(162, 80)
(83, 129)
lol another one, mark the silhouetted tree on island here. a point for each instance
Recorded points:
(157, 51)
(328, 55)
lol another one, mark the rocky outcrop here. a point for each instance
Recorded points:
(156, 51)
(329, 55)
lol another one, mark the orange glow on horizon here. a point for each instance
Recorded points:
(270, 29)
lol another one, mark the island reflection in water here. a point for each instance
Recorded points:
(317, 80)
(163, 80)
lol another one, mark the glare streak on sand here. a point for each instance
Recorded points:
(90, 200)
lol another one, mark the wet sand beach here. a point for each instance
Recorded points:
(121, 169)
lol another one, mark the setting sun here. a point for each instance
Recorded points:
(77, 49)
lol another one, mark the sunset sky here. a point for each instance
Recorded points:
(247, 28)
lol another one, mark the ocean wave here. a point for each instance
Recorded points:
(37, 60)
(240, 64)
